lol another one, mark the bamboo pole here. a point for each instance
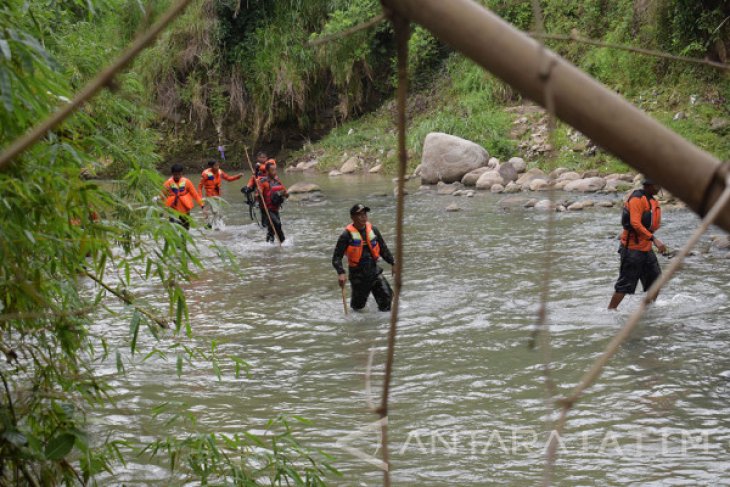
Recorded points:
(691, 174)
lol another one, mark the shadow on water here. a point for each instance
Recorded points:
(467, 403)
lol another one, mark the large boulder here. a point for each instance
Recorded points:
(586, 185)
(303, 187)
(508, 172)
(519, 164)
(529, 176)
(488, 179)
(448, 158)
(351, 165)
(470, 178)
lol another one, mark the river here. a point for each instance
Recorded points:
(468, 397)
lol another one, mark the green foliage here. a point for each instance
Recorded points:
(60, 233)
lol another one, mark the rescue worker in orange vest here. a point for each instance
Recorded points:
(363, 245)
(273, 194)
(180, 195)
(210, 187)
(641, 217)
(210, 179)
(262, 162)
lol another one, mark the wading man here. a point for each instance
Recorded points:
(210, 187)
(363, 245)
(180, 195)
(273, 194)
(641, 217)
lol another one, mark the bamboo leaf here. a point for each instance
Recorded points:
(134, 329)
(60, 446)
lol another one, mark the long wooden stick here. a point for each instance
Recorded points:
(263, 201)
(693, 175)
(103, 79)
(344, 299)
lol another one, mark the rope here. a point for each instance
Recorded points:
(541, 332)
(575, 37)
(402, 33)
(597, 368)
(103, 79)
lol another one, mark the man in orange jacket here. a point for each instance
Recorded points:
(273, 194)
(180, 195)
(641, 217)
(262, 162)
(210, 179)
(210, 187)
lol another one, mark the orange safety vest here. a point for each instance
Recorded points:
(180, 195)
(354, 249)
(210, 182)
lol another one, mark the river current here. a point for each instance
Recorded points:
(467, 400)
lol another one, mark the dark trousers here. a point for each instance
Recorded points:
(364, 283)
(276, 220)
(184, 220)
(636, 266)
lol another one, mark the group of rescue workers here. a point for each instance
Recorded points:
(263, 188)
(364, 246)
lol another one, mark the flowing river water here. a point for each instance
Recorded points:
(468, 396)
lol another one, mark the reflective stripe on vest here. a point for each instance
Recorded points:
(354, 250)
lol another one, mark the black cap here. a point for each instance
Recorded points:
(358, 208)
(648, 181)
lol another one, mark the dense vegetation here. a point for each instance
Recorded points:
(246, 75)
(70, 248)
(240, 73)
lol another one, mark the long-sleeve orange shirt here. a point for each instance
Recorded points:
(211, 181)
(181, 195)
(640, 238)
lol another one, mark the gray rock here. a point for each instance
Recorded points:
(493, 163)
(593, 173)
(469, 193)
(448, 158)
(586, 185)
(519, 164)
(447, 189)
(719, 124)
(512, 187)
(488, 179)
(417, 170)
(425, 188)
(679, 116)
(508, 172)
(302, 187)
(497, 188)
(453, 207)
(556, 173)
(577, 206)
(569, 176)
(532, 174)
(531, 203)
(540, 185)
(351, 165)
(560, 184)
(513, 202)
(605, 204)
(334, 173)
(545, 205)
(721, 243)
(470, 178)
(376, 169)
